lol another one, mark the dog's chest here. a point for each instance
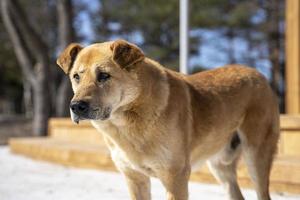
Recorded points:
(124, 161)
(132, 153)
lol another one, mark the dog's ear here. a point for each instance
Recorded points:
(68, 56)
(126, 54)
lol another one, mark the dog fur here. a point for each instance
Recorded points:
(160, 123)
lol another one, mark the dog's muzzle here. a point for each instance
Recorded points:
(79, 107)
(81, 110)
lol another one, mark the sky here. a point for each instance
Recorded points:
(213, 48)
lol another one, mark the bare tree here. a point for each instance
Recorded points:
(66, 36)
(31, 52)
(273, 39)
(33, 56)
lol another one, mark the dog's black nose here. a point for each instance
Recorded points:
(79, 107)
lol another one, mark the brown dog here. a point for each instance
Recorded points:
(160, 123)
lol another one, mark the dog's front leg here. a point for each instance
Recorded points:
(138, 185)
(176, 183)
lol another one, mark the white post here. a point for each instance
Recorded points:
(184, 36)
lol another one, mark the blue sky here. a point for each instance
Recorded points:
(213, 49)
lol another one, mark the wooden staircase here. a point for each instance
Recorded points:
(82, 146)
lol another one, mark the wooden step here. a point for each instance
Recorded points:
(65, 129)
(63, 152)
(285, 175)
(290, 135)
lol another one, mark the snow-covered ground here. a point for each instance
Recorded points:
(25, 179)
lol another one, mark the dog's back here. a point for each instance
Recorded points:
(236, 100)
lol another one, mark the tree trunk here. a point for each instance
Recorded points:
(66, 36)
(230, 34)
(30, 51)
(273, 35)
(27, 98)
(64, 95)
(41, 100)
(249, 59)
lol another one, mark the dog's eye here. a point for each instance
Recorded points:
(76, 77)
(102, 76)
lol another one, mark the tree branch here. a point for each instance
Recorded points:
(24, 58)
(65, 18)
(33, 40)
(66, 36)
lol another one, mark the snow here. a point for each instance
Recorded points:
(25, 179)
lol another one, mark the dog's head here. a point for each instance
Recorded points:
(103, 77)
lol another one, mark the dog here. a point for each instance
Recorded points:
(160, 123)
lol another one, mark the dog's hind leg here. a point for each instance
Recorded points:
(223, 167)
(259, 134)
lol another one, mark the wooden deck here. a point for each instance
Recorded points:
(82, 146)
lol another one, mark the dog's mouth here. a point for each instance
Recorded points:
(92, 114)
